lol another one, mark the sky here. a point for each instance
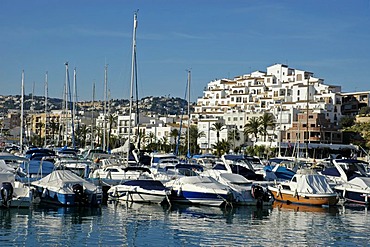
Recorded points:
(213, 39)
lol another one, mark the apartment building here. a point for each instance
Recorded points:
(282, 91)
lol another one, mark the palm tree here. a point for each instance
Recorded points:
(218, 127)
(81, 133)
(233, 135)
(112, 120)
(221, 147)
(54, 126)
(194, 135)
(252, 127)
(266, 120)
(173, 135)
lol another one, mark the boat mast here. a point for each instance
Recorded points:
(105, 107)
(109, 116)
(22, 103)
(72, 99)
(46, 107)
(189, 79)
(307, 115)
(132, 82)
(92, 117)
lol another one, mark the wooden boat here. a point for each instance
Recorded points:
(306, 187)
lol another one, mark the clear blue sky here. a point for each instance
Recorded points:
(215, 38)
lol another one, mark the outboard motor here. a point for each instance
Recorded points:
(258, 193)
(78, 189)
(6, 193)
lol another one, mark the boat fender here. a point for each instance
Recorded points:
(115, 192)
(179, 192)
(267, 196)
(279, 190)
(45, 193)
(6, 193)
(344, 193)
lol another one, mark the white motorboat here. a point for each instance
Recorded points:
(14, 193)
(244, 191)
(352, 180)
(199, 190)
(141, 190)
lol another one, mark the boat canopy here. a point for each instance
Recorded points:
(61, 179)
(312, 183)
(361, 183)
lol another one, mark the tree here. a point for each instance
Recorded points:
(218, 127)
(81, 133)
(266, 121)
(252, 127)
(112, 120)
(364, 111)
(233, 135)
(346, 121)
(221, 147)
(54, 126)
(194, 135)
(360, 133)
(174, 134)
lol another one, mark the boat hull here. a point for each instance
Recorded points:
(305, 199)
(68, 199)
(355, 196)
(199, 198)
(141, 196)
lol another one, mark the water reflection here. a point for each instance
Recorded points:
(304, 208)
(11, 216)
(135, 224)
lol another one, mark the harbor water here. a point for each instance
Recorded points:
(179, 225)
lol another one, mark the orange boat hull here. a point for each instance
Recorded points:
(307, 200)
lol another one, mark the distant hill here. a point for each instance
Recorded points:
(153, 105)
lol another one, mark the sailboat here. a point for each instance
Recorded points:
(133, 78)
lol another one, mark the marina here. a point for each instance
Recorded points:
(273, 157)
(177, 202)
(151, 224)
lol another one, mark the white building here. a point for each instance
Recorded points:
(280, 87)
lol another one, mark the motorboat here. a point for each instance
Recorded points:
(280, 169)
(306, 187)
(35, 169)
(114, 175)
(140, 190)
(80, 167)
(244, 191)
(339, 171)
(238, 164)
(200, 190)
(172, 172)
(352, 180)
(159, 160)
(205, 160)
(14, 193)
(357, 190)
(65, 188)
